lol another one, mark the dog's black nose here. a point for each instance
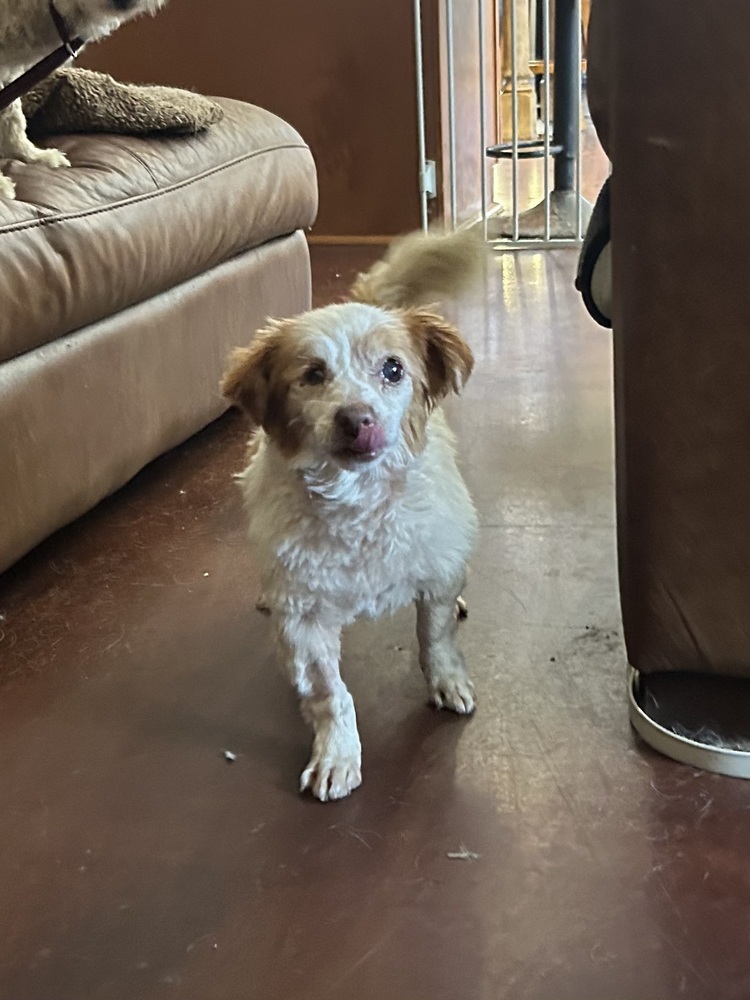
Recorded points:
(351, 419)
(123, 5)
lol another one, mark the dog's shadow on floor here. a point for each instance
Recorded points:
(241, 701)
(396, 867)
(409, 841)
(264, 728)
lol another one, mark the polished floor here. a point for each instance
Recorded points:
(534, 852)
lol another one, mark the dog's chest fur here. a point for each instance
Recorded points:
(363, 545)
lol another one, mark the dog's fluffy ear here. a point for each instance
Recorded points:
(447, 358)
(247, 383)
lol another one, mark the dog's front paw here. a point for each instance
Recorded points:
(7, 188)
(331, 777)
(453, 691)
(447, 681)
(51, 158)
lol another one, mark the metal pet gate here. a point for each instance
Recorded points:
(535, 52)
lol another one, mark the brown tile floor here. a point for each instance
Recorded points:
(135, 862)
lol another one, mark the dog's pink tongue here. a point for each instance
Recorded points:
(370, 438)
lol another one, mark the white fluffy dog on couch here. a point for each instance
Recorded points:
(356, 506)
(30, 30)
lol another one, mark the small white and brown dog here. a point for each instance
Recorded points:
(27, 34)
(356, 506)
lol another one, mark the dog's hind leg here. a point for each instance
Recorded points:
(462, 609)
(311, 654)
(16, 145)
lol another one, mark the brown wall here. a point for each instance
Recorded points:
(341, 71)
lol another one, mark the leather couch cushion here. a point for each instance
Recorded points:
(135, 217)
(82, 415)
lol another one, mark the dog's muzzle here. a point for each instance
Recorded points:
(358, 433)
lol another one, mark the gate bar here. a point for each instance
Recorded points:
(421, 139)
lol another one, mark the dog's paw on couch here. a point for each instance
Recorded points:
(7, 188)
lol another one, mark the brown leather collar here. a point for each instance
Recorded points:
(68, 50)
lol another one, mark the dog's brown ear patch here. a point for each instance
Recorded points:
(257, 381)
(247, 383)
(447, 358)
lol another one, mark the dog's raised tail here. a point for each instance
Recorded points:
(422, 268)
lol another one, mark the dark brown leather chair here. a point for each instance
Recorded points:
(668, 86)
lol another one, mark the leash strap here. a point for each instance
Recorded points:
(59, 57)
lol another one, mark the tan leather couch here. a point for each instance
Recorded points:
(124, 282)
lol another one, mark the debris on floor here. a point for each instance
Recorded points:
(462, 855)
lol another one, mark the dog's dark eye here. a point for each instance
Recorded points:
(392, 370)
(315, 375)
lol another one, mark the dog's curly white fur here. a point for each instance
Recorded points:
(356, 505)
(27, 34)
